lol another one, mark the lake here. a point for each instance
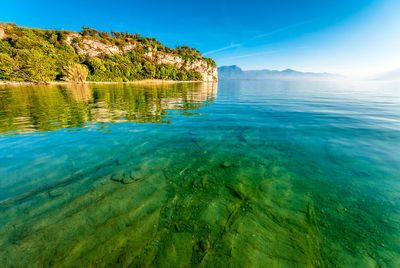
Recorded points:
(236, 174)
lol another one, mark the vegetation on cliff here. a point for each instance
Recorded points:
(45, 55)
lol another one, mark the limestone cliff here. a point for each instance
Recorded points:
(29, 54)
(3, 27)
(96, 48)
(2, 34)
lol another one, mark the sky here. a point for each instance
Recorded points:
(356, 37)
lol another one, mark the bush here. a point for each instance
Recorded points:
(210, 62)
(76, 73)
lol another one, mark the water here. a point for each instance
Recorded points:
(243, 173)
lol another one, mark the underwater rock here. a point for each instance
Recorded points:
(116, 177)
(130, 177)
(127, 180)
(365, 174)
(125, 177)
(236, 190)
(56, 192)
(202, 169)
(226, 165)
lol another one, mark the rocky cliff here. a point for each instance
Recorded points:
(2, 33)
(96, 48)
(35, 55)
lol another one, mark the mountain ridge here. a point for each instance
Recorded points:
(234, 72)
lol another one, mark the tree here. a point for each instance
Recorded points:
(93, 32)
(85, 31)
(150, 69)
(9, 70)
(104, 35)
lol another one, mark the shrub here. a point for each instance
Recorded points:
(76, 73)
(210, 62)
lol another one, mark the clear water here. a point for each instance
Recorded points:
(239, 174)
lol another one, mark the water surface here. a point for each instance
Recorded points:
(243, 173)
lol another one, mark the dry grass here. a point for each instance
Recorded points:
(76, 73)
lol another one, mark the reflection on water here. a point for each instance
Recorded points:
(267, 174)
(46, 108)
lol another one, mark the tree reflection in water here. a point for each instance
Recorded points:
(26, 109)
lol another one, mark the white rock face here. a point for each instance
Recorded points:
(92, 47)
(2, 33)
(96, 48)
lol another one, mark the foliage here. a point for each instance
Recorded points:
(210, 62)
(41, 55)
(76, 73)
(34, 55)
(188, 54)
(131, 67)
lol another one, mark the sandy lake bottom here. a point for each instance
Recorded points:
(235, 174)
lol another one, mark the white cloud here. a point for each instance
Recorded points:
(283, 29)
(222, 49)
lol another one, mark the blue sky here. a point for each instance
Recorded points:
(343, 36)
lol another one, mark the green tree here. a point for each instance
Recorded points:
(150, 69)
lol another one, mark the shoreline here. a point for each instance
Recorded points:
(144, 81)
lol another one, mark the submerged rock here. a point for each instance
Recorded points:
(226, 165)
(130, 177)
(236, 190)
(56, 192)
(127, 180)
(125, 177)
(116, 177)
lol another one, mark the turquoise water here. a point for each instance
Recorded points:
(235, 174)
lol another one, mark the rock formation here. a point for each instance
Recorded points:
(96, 48)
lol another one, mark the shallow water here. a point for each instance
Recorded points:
(243, 173)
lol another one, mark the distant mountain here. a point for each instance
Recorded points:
(234, 72)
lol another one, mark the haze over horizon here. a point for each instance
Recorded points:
(354, 37)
